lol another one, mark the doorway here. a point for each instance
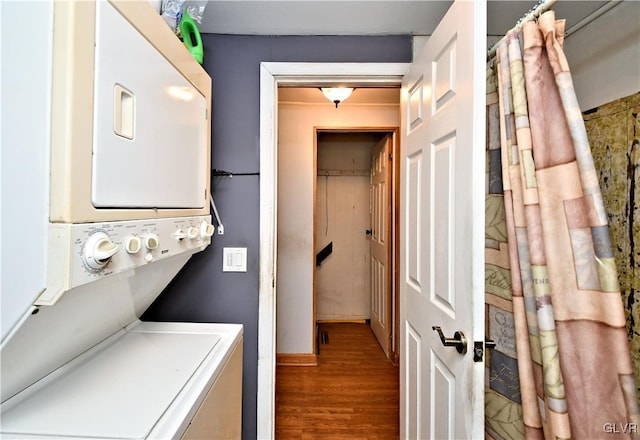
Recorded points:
(273, 75)
(356, 231)
(299, 123)
(300, 116)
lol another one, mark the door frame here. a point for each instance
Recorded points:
(273, 75)
(393, 303)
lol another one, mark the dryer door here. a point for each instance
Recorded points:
(149, 139)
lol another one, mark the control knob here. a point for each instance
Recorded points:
(192, 232)
(133, 244)
(151, 241)
(206, 230)
(98, 251)
(179, 235)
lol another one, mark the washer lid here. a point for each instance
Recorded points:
(119, 391)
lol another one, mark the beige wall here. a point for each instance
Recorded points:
(295, 326)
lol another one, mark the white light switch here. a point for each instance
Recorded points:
(234, 259)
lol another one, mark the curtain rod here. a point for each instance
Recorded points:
(533, 13)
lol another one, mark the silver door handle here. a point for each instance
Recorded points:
(459, 340)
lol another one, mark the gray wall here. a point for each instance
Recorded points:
(201, 292)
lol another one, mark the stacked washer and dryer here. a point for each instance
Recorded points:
(110, 137)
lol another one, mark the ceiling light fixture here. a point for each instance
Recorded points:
(336, 94)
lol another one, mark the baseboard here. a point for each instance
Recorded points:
(297, 359)
(338, 321)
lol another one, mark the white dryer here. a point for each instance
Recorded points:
(124, 159)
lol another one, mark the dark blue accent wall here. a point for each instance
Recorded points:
(202, 292)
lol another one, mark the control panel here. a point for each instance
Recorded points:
(82, 253)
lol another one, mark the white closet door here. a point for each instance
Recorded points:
(381, 243)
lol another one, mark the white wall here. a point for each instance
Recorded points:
(295, 326)
(604, 56)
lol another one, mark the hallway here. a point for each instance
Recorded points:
(351, 394)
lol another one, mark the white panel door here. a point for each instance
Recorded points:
(442, 232)
(380, 243)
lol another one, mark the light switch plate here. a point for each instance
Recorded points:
(234, 259)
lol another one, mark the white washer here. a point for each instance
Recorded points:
(143, 382)
(86, 367)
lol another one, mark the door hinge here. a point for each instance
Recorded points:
(390, 156)
(479, 347)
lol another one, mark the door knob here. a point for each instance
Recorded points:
(459, 340)
(369, 231)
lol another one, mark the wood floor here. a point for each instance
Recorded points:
(351, 394)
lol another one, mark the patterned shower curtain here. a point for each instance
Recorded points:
(562, 366)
